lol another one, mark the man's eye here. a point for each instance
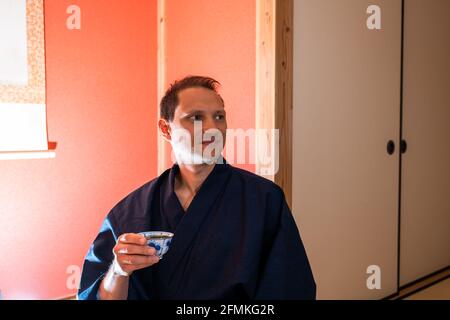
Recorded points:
(220, 117)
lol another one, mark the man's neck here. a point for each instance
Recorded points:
(191, 177)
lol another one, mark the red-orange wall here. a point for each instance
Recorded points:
(101, 104)
(216, 38)
(102, 107)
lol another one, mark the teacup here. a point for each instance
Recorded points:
(160, 240)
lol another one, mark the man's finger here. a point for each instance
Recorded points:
(133, 238)
(136, 260)
(134, 249)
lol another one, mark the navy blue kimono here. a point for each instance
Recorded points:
(237, 240)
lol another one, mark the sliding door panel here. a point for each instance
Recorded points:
(425, 214)
(346, 109)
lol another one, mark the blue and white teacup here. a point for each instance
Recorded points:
(160, 240)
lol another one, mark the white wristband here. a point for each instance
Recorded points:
(118, 270)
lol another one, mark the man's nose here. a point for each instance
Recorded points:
(208, 123)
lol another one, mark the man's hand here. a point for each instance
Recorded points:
(132, 253)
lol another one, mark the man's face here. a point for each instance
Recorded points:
(198, 111)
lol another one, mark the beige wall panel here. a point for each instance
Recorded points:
(425, 216)
(346, 109)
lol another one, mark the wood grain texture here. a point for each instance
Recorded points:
(162, 152)
(274, 68)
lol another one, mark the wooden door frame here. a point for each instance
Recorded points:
(274, 82)
(161, 82)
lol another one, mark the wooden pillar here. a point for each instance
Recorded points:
(274, 67)
(162, 144)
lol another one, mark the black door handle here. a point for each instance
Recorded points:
(403, 146)
(390, 147)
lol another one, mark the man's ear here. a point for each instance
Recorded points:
(164, 129)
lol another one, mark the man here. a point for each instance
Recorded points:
(234, 235)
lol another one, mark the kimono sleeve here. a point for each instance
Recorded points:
(286, 272)
(98, 260)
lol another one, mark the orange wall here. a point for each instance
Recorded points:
(216, 38)
(101, 104)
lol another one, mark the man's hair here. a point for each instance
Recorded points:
(170, 100)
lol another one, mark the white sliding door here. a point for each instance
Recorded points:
(346, 109)
(425, 214)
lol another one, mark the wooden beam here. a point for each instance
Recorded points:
(162, 147)
(265, 78)
(274, 76)
(284, 92)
